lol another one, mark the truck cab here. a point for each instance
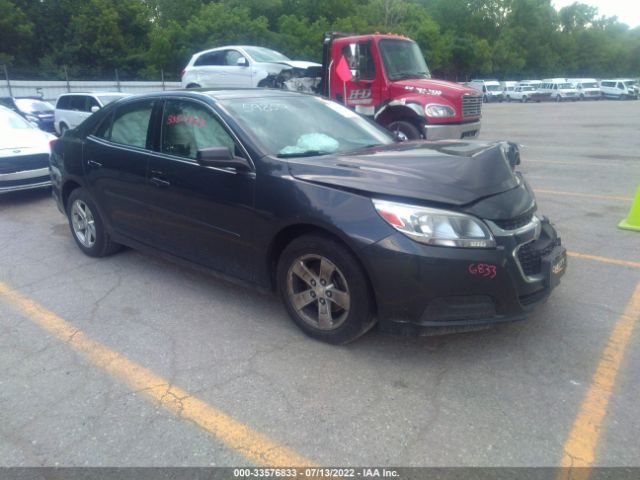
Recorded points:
(386, 78)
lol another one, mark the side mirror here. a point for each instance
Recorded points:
(94, 109)
(242, 62)
(221, 157)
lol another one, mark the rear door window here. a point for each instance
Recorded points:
(130, 125)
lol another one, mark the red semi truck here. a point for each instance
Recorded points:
(384, 77)
(390, 82)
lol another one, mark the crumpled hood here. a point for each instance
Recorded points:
(299, 64)
(449, 172)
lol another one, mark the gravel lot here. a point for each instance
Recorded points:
(508, 396)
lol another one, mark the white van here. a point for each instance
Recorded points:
(621, 88)
(508, 86)
(491, 89)
(587, 88)
(72, 108)
(559, 89)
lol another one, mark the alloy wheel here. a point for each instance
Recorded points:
(318, 291)
(83, 223)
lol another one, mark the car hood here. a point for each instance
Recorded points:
(448, 172)
(24, 141)
(299, 64)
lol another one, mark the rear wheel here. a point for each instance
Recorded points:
(325, 290)
(558, 98)
(524, 99)
(87, 226)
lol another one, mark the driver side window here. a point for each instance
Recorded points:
(188, 127)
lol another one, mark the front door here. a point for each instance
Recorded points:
(202, 214)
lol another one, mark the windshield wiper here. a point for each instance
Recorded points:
(306, 153)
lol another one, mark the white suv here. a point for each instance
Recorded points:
(241, 67)
(73, 108)
(622, 88)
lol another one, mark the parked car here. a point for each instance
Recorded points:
(34, 109)
(491, 90)
(240, 66)
(24, 153)
(621, 88)
(526, 93)
(587, 88)
(299, 194)
(508, 86)
(559, 89)
(73, 108)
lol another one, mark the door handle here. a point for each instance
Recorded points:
(159, 182)
(94, 164)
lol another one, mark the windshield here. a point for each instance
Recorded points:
(106, 99)
(260, 54)
(33, 106)
(494, 88)
(402, 59)
(305, 125)
(528, 89)
(565, 86)
(631, 83)
(12, 121)
(589, 85)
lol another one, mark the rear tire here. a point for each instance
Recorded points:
(87, 226)
(405, 130)
(325, 290)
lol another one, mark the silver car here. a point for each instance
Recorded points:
(24, 153)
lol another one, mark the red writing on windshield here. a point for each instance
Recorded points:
(189, 119)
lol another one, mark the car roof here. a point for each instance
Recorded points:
(220, 94)
(116, 94)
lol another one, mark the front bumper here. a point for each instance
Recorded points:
(452, 131)
(426, 290)
(24, 180)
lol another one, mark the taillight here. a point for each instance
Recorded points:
(52, 143)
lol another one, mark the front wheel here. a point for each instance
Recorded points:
(525, 99)
(87, 225)
(558, 98)
(404, 130)
(325, 290)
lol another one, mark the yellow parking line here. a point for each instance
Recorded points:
(253, 445)
(583, 195)
(580, 447)
(612, 261)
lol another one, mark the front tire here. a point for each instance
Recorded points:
(193, 85)
(87, 226)
(325, 290)
(404, 130)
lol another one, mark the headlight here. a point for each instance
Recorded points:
(436, 227)
(435, 110)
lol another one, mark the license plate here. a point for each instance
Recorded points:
(556, 265)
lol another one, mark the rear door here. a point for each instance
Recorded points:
(220, 69)
(202, 214)
(115, 164)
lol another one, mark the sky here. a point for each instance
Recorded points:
(627, 11)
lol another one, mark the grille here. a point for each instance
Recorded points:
(471, 105)
(514, 223)
(23, 162)
(530, 255)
